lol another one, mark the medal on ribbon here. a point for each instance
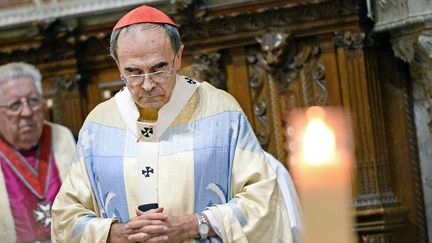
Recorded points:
(35, 179)
(42, 213)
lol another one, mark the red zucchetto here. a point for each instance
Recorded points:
(144, 14)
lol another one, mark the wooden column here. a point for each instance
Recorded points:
(379, 212)
(238, 81)
(265, 91)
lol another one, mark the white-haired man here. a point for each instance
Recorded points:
(34, 156)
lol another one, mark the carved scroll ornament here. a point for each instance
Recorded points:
(283, 75)
(294, 64)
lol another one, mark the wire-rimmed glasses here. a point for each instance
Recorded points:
(157, 77)
(14, 108)
(160, 76)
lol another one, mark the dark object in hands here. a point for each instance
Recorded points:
(146, 207)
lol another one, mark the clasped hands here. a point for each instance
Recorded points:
(154, 226)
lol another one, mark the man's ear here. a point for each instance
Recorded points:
(179, 58)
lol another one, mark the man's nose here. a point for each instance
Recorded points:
(148, 84)
(25, 109)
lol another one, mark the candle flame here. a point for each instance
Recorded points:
(319, 139)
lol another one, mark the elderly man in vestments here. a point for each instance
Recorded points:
(34, 156)
(167, 159)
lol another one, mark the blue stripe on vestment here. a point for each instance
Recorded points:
(247, 140)
(99, 140)
(233, 204)
(214, 148)
(102, 148)
(82, 224)
(215, 142)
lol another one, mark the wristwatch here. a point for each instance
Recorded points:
(203, 227)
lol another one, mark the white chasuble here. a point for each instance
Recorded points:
(204, 158)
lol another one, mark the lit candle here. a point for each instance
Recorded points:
(321, 163)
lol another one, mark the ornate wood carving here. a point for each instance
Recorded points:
(408, 22)
(370, 192)
(207, 67)
(303, 10)
(402, 144)
(348, 40)
(189, 12)
(54, 42)
(284, 75)
(257, 77)
(295, 64)
(227, 21)
(374, 198)
(421, 74)
(419, 45)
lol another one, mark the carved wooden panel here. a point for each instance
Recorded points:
(403, 155)
(296, 71)
(260, 100)
(206, 67)
(284, 74)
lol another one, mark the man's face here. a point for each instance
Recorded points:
(21, 128)
(148, 51)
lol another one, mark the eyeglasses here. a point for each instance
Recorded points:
(16, 107)
(157, 77)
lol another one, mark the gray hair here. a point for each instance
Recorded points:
(15, 70)
(171, 31)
